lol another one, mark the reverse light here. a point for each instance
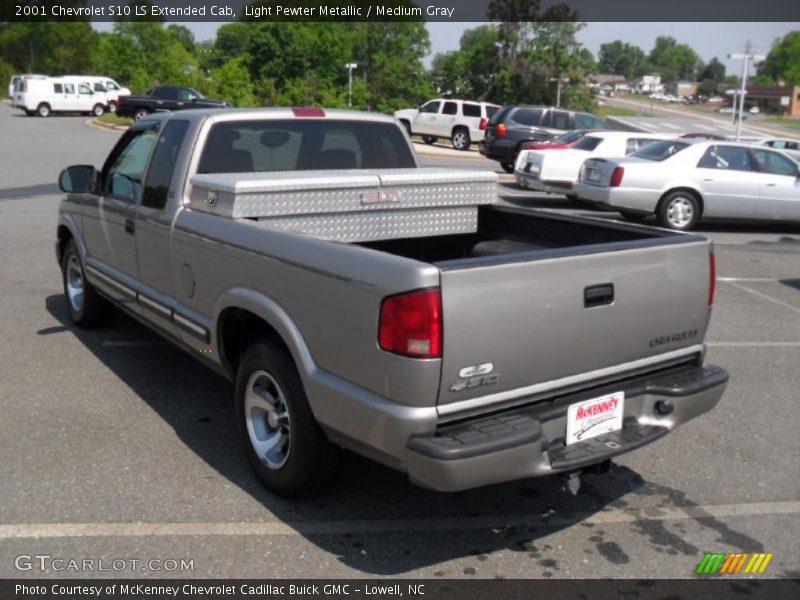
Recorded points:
(411, 324)
(712, 278)
(616, 177)
(483, 124)
(500, 131)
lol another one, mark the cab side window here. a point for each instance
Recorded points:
(84, 89)
(162, 166)
(774, 163)
(430, 107)
(69, 88)
(98, 87)
(450, 108)
(123, 173)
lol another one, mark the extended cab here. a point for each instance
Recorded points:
(165, 98)
(360, 301)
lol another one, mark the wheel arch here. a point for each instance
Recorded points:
(243, 316)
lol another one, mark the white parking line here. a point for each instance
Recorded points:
(270, 528)
(765, 297)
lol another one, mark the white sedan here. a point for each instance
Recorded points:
(557, 171)
(682, 181)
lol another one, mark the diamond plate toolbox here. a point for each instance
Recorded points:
(351, 205)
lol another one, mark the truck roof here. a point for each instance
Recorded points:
(258, 114)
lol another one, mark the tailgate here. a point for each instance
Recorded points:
(597, 171)
(541, 320)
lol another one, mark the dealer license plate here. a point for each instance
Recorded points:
(594, 417)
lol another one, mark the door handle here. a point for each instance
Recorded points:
(130, 226)
(708, 180)
(598, 295)
(772, 185)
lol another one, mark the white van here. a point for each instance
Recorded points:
(106, 86)
(57, 94)
(16, 79)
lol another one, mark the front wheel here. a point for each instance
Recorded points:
(279, 434)
(507, 167)
(679, 210)
(140, 113)
(429, 139)
(86, 307)
(98, 110)
(461, 140)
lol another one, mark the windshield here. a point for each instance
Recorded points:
(659, 151)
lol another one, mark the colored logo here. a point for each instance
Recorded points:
(724, 563)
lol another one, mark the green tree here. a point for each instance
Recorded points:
(231, 82)
(46, 47)
(621, 58)
(714, 71)
(674, 61)
(783, 61)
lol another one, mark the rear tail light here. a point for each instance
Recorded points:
(712, 278)
(616, 177)
(119, 100)
(500, 131)
(484, 123)
(411, 324)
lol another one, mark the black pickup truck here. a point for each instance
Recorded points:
(165, 97)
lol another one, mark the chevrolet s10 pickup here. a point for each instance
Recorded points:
(360, 301)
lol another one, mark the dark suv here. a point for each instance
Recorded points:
(512, 125)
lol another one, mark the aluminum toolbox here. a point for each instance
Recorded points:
(351, 205)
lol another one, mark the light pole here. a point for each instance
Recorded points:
(746, 57)
(350, 67)
(560, 80)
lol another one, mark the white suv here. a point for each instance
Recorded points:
(461, 121)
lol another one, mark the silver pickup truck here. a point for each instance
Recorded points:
(359, 301)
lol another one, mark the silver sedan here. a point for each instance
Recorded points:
(682, 181)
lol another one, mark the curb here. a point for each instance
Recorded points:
(105, 126)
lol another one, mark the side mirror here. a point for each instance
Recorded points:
(78, 179)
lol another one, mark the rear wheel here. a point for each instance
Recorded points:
(279, 434)
(679, 210)
(98, 110)
(507, 167)
(461, 140)
(43, 110)
(140, 113)
(429, 139)
(86, 307)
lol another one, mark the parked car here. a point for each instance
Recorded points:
(463, 122)
(701, 135)
(790, 147)
(165, 98)
(349, 316)
(513, 125)
(15, 81)
(558, 171)
(57, 94)
(563, 141)
(106, 86)
(684, 181)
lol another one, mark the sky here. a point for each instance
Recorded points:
(707, 39)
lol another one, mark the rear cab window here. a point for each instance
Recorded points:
(162, 166)
(303, 145)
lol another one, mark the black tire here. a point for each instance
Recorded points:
(679, 210)
(92, 309)
(43, 110)
(112, 106)
(460, 139)
(98, 110)
(429, 139)
(507, 167)
(140, 113)
(634, 217)
(310, 459)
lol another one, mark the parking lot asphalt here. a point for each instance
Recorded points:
(116, 445)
